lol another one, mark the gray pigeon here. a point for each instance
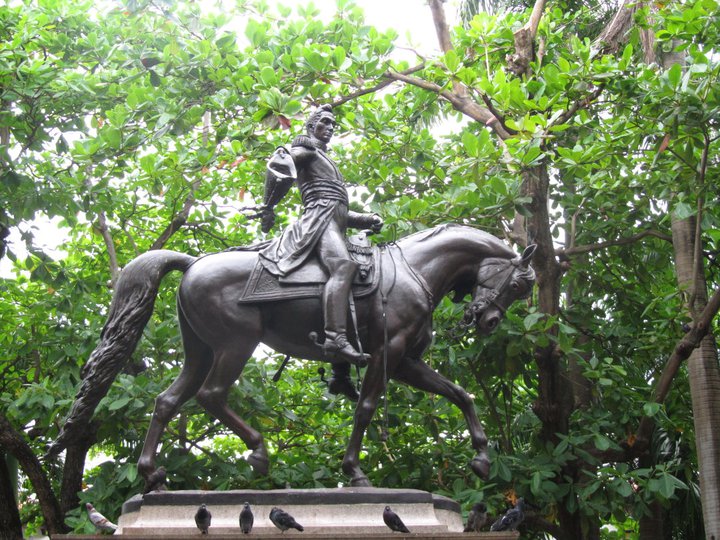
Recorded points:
(102, 524)
(511, 519)
(203, 517)
(246, 519)
(283, 520)
(476, 518)
(393, 521)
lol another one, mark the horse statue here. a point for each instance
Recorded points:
(221, 328)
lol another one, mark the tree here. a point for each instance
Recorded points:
(148, 126)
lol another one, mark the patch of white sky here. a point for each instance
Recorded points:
(416, 37)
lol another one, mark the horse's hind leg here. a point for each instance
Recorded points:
(230, 359)
(418, 374)
(198, 360)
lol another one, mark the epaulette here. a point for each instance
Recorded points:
(303, 140)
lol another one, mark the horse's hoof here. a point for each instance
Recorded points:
(481, 467)
(259, 461)
(360, 481)
(155, 481)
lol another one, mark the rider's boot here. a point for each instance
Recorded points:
(341, 383)
(335, 306)
(338, 348)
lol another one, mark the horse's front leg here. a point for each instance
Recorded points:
(372, 387)
(418, 374)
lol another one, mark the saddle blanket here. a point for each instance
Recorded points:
(308, 280)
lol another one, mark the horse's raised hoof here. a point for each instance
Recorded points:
(259, 461)
(155, 481)
(360, 481)
(481, 466)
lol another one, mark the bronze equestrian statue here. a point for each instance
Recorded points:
(229, 302)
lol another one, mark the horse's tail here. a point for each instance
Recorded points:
(131, 308)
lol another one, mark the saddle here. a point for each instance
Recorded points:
(309, 279)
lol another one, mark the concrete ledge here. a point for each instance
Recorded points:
(325, 513)
(306, 536)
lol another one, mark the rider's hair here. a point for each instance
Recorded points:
(315, 116)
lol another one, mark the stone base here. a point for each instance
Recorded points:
(324, 513)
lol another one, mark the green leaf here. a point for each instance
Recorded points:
(119, 403)
(651, 408)
(268, 76)
(602, 443)
(683, 210)
(338, 56)
(470, 143)
(674, 75)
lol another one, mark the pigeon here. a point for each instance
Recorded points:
(511, 519)
(283, 520)
(476, 518)
(393, 521)
(246, 519)
(203, 517)
(102, 524)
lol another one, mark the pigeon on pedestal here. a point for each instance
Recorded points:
(203, 517)
(246, 519)
(283, 520)
(102, 524)
(511, 519)
(393, 521)
(476, 518)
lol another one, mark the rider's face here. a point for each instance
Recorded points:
(325, 127)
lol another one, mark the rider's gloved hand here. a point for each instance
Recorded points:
(376, 223)
(267, 219)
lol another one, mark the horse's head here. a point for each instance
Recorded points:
(499, 283)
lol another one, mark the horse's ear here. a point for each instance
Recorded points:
(527, 255)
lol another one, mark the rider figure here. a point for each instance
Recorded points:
(320, 230)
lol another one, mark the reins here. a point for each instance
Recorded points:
(384, 300)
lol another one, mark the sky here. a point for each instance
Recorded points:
(412, 21)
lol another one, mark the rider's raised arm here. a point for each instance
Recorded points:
(280, 175)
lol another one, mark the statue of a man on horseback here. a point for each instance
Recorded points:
(320, 231)
(228, 304)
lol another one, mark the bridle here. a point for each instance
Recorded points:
(485, 295)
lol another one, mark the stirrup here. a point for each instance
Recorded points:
(340, 349)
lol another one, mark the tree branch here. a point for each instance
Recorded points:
(567, 253)
(441, 26)
(574, 107)
(373, 89)
(519, 62)
(700, 329)
(462, 104)
(179, 219)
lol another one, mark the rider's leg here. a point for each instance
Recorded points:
(333, 254)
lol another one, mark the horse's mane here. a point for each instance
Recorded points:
(428, 234)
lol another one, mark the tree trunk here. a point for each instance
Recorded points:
(555, 398)
(10, 526)
(15, 444)
(652, 527)
(704, 377)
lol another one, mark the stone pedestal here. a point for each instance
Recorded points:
(342, 511)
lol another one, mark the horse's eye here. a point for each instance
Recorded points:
(515, 285)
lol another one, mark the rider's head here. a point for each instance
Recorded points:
(321, 123)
